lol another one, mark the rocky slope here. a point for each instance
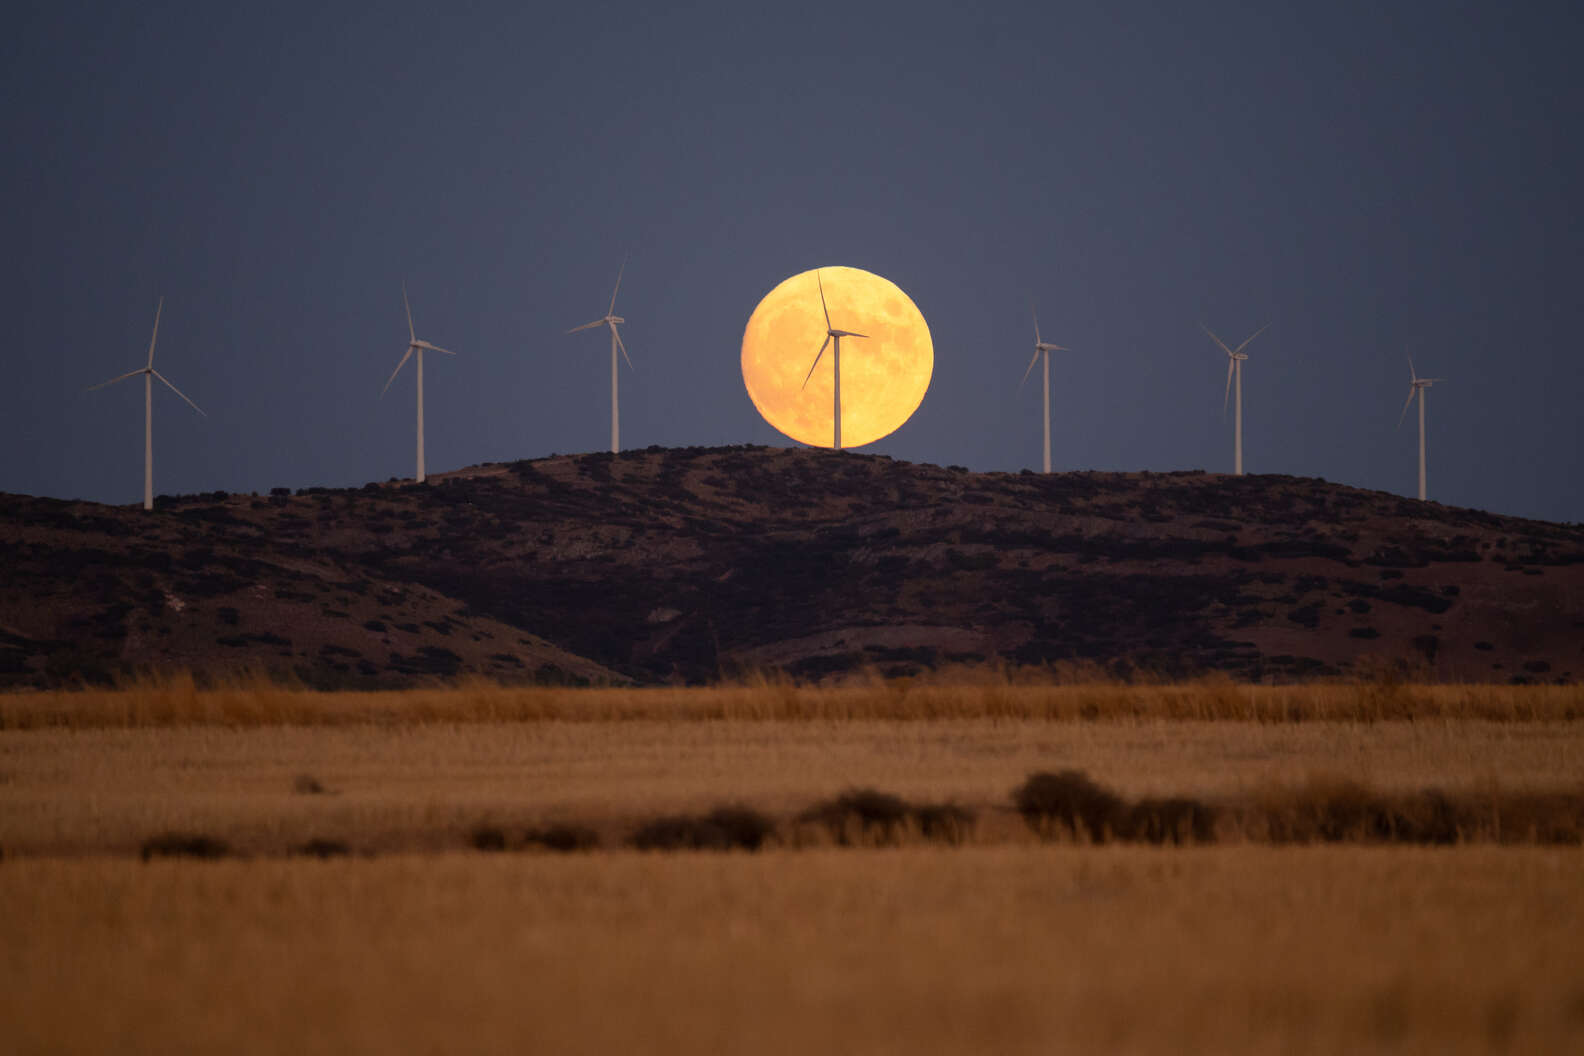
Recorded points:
(686, 564)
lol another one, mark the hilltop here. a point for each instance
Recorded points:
(668, 565)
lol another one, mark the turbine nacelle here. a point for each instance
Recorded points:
(1042, 346)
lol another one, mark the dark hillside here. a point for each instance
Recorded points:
(685, 564)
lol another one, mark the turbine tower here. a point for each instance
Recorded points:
(1417, 387)
(1235, 358)
(831, 334)
(149, 374)
(1047, 349)
(415, 345)
(612, 320)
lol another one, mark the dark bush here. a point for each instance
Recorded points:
(744, 827)
(944, 822)
(319, 848)
(184, 845)
(861, 816)
(723, 829)
(1068, 800)
(308, 785)
(1177, 820)
(564, 838)
(487, 838)
(1333, 811)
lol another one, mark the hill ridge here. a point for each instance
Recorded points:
(685, 564)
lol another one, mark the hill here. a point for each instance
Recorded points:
(685, 564)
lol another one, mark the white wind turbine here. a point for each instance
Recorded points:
(149, 374)
(415, 345)
(1417, 387)
(612, 320)
(1235, 358)
(1047, 349)
(831, 334)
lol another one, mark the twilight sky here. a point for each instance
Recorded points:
(1368, 178)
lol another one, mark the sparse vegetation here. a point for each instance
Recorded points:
(970, 693)
(184, 845)
(727, 828)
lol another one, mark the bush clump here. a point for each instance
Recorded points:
(723, 829)
(184, 845)
(1335, 810)
(1176, 820)
(1069, 801)
(321, 848)
(865, 817)
(861, 816)
(487, 838)
(564, 838)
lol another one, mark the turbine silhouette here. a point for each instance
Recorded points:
(1417, 387)
(612, 320)
(831, 334)
(415, 345)
(149, 374)
(1047, 349)
(1235, 360)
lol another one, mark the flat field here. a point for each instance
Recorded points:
(416, 942)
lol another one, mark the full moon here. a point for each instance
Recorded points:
(884, 374)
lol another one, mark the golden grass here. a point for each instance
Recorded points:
(179, 700)
(1008, 950)
(426, 787)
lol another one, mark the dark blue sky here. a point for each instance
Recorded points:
(1366, 177)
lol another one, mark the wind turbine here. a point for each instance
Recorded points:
(1047, 349)
(831, 334)
(149, 374)
(415, 345)
(1417, 387)
(612, 320)
(1235, 358)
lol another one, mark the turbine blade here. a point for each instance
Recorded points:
(397, 371)
(1413, 375)
(112, 381)
(412, 335)
(1216, 339)
(1036, 325)
(177, 391)
(612, 309)
(1252, 336)
(1231, 366)
(621, 345)
(821, 352)
(823, 308)
(1030, 369)
(587, 326)
(152, 337)
(1404, 414)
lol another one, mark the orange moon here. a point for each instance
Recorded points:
(884, 375)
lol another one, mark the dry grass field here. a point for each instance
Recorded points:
(416, 942)
(968, 693)
(1030, 949)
